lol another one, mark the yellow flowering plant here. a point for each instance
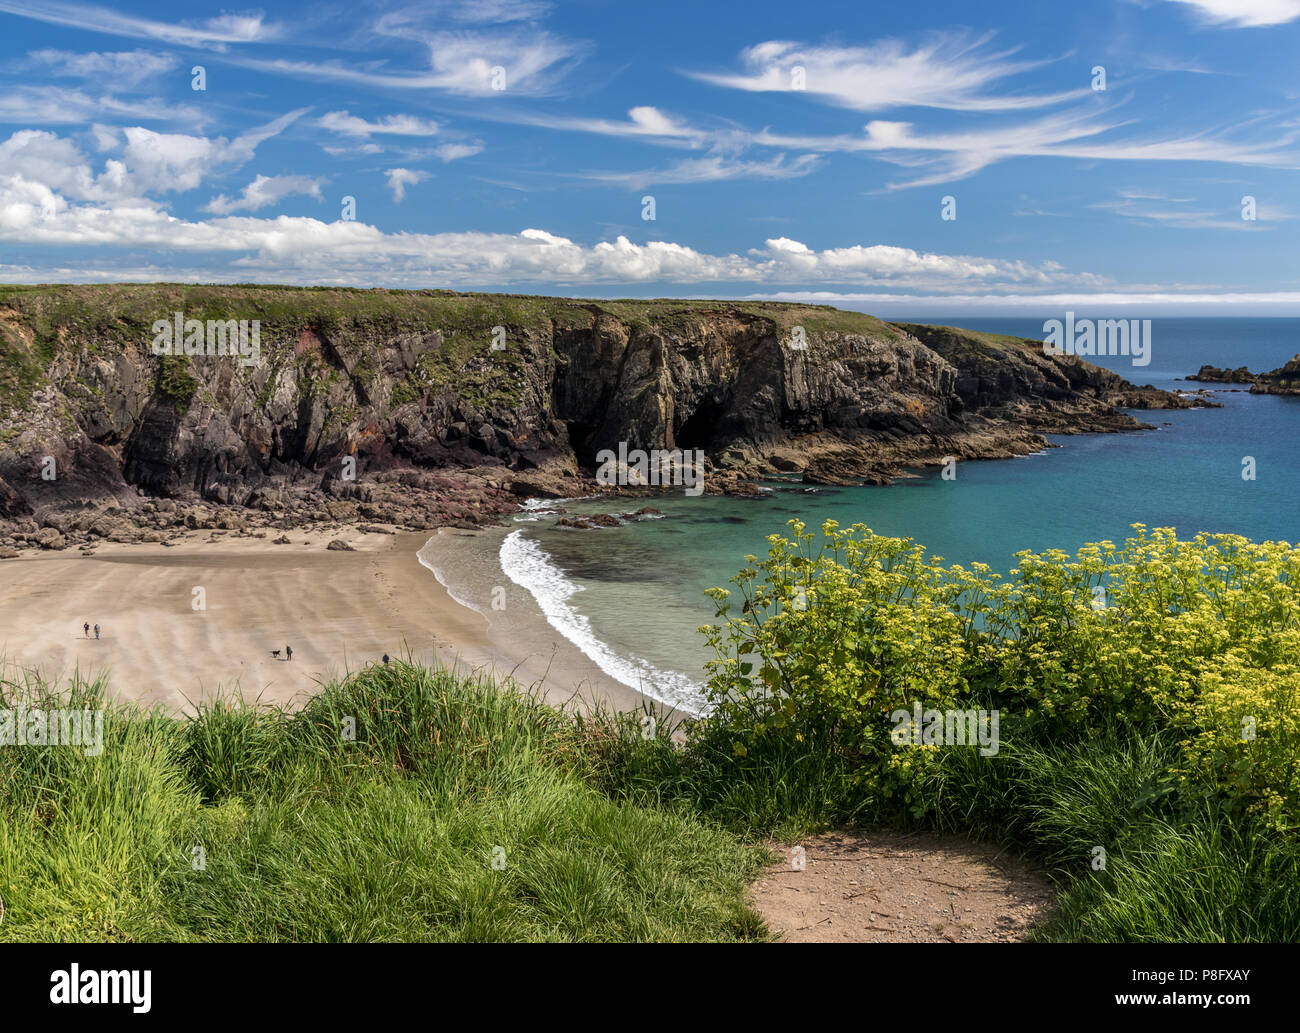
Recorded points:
(834, 632)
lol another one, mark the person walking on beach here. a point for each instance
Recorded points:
(96, 631)
(385, 658)
(86, 629)
(288, 652)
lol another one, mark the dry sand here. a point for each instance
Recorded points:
(338, 610)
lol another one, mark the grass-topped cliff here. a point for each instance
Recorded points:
(458, 400)
(40, 324)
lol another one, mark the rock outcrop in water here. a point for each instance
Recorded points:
(1221, 375)
(418, 409)
(1285, 380)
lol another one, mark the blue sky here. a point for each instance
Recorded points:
(792, 150)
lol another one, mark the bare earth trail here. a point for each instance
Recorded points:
(885, 887)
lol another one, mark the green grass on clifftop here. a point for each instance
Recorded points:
(307, 835)
(40, 323)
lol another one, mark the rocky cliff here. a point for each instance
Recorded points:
(1285, 380)
(417, 409)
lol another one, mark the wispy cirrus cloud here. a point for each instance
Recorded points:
(950, 71)
(417, 17)
(55, 105)
(447, 152)
(1190, 212)
(470, 63)
(711, 168)
(394, 125)
(961, 73)
(948, 156)
(643, 122)
(123, 69)
(215, 32)
(1242, 14)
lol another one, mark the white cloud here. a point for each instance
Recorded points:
(148, 162)
(265, 190)
(214, 32)
(310, 250)
(42, 157)
(644, 122)
(54, 105)
(886, 304)
(352, 150)
(653, 122)
(1050, 305)
(400, 179)
(948, 71)
(466, 62)
(459, 62)
(106, 137)
(949, 156)
(170, 161)
(456, 151)
(1246, 13)
(710, 169)
(163, 162)
(470, 12)
(119, 69)
(1189, 213)
(395, 125)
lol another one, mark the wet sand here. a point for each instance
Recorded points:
(338, 610)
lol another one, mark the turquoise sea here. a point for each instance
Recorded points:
(632, 597)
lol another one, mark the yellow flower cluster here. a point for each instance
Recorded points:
(1199, 637)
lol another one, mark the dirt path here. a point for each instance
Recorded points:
(862, 887)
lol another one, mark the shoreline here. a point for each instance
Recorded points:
(339, 610)
(528, 604)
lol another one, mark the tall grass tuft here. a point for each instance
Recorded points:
(402, 803)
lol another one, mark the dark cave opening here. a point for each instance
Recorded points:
(702, 427)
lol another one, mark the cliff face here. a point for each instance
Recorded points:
(447, 406)
(1014, 378)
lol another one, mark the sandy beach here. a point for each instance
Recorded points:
(339, 610)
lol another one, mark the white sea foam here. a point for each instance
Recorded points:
(533, 509)
(528, 565)
(437, 573)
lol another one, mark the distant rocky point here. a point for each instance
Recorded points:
(1282, 381)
